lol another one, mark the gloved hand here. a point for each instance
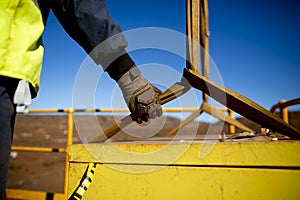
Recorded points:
(140, 96)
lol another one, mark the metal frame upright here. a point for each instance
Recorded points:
(197, 59)
(198, 33)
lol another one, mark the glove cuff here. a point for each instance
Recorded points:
(130, 82)
(118, 67)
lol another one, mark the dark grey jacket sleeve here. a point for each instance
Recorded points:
(90, 25)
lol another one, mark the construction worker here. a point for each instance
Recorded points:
(21, 51)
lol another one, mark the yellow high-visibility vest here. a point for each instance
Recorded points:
(21, 49)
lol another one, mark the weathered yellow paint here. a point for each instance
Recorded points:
(29, 195)
(277, 153)
(175, 182)
(230, 170)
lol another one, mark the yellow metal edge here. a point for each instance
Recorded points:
(29, 194)
(275, 153)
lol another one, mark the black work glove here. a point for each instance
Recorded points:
(140, 96)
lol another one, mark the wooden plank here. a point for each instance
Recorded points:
(241, 104)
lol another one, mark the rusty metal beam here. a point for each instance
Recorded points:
(241, 104)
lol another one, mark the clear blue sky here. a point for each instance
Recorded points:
(255, 45)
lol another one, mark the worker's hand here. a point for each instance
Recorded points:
(140, 96)
(144, 104)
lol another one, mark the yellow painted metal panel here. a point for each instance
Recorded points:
(186, 182)
(277, 153)
(230, 170)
